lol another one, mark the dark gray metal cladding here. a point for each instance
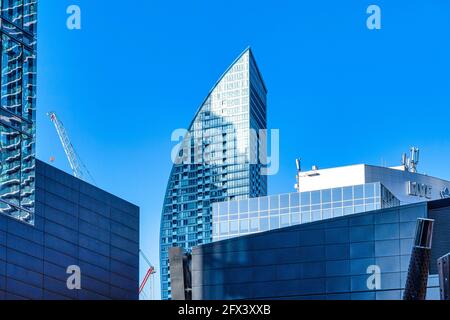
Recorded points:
(444, 276)
(419, 266)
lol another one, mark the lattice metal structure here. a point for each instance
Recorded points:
(78, 168)
(419, 266)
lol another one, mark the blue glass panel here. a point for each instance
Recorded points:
(369, 190)
(294, 199)
(295, 218)
(284, 201)
(263, 203)
(284, 220)
(254, 224)
(305, 198)
(243, 226)
(233, 207)
(264, 224)
(243, 206)
(336, 194)
(316, 215)
(358, 192)
(347, 193)
(253, 204)
(315, 197)
(234, 227)
(274, 202)
(326, 195)
(223, 208)
(274, 222)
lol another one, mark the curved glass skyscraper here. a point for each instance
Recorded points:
(219, 159)
(18, 108)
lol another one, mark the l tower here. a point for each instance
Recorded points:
(219, 159)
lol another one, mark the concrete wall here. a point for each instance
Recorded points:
(76, 224)
(320, 260)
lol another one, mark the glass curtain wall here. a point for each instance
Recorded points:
(237, 218)
(18, 107)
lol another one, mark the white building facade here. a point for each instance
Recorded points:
(408, 187)
(325, 194)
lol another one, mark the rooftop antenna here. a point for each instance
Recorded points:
(410, 164)
(299, 170)
(414, 159)
(404, 160)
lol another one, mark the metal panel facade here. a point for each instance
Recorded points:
(327, 259)
(75, 224)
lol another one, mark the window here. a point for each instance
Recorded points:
(326, 196)
(11, 90)
(305, 198)
(264, 224)
(315, 197)
(253, 204)
(315, 215)
(274, 222)
(30, 16)
(358, 192)
(274, 204)
(243, 226)
(348, 193)
(337, 194)
(295, 218)
(243, 206)
(263, 203)
(284, 201)
(223, 228)
(284, 220)
(234, 227)
(295, 200)
(254, 224)
(13, 11)
(233, 209)
(223, 208)
(306, 217)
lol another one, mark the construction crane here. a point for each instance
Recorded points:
(149, 275)
(78, 168)
(80, 171)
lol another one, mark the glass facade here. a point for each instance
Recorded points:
(218, 160)
(247, 216)
(18, 107)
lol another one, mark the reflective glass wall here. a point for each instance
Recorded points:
(237, 218)
(18, 107)
(215, 161)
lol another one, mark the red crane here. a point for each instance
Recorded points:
(149, 275)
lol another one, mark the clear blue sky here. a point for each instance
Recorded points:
(339, 93)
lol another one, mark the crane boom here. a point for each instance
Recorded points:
(78, 168)
(151, 270)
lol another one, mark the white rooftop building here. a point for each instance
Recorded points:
(407, 186)
(328, 193)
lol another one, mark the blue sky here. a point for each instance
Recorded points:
(338, 92)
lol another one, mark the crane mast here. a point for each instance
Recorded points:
(78, 168)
